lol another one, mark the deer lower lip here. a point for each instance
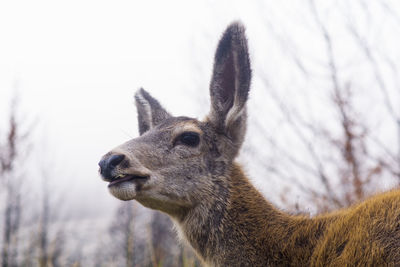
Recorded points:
(126, 178)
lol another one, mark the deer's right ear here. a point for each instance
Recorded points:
(230, 84)
(150, 112)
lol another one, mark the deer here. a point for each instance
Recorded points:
(186, 168)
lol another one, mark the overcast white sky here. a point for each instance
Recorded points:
(77, 64)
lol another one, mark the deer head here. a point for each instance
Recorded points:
(179, 162)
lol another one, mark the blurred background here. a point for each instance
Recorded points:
(324, 113)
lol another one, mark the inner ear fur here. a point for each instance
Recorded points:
(230, 83)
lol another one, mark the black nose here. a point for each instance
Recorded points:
(108, 164)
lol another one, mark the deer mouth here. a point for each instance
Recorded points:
(125, 178)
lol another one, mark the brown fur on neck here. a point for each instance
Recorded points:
(245, 229)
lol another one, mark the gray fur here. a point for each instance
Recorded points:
(230, 83)
(191, 183)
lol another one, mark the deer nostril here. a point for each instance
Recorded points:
(107, 165)
(115, 160)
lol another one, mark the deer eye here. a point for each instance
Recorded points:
(188, 138)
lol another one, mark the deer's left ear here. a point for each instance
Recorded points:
(150, 112)
(230, 84)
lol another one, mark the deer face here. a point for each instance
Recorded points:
(178, 162)
(167, 167)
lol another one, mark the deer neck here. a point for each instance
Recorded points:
(238, 224)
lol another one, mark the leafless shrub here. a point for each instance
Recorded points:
(13, 150)
(346, 157)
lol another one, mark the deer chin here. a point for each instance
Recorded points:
(126, 188)
(123, 191)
